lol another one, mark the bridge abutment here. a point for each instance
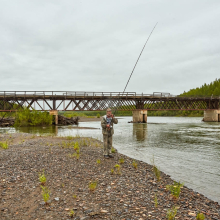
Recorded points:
(140, 115)
(55, 113)
(212, 115)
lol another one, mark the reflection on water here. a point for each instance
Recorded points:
(185, 148)
(53, 130)
(140, 131)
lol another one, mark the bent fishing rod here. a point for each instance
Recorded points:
(136, 65)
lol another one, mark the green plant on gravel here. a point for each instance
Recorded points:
(155, 200)
(69, 137)
(98, 161)
(134, 163)
(93, 186)
(72, 213)
(118, 168)
(121, 160)
(74, 196)
(4, 145)
(200, 216)
(112, 171)
(45, 194)
(156, 172)
(175, 189)
(113, 150)
(42, 178)
(76, 146)
(171, 213)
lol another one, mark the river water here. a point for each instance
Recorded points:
(185, 148)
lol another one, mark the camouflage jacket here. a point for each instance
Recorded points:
(105, 130)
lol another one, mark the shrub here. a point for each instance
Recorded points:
(26, 117)
(98, 115)
(175, 189)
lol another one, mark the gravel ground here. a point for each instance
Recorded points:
(128, 195)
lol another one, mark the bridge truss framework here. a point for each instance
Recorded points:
(99, 101)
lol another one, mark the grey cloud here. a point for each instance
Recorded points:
(93, 45)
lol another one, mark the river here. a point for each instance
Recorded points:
(185, 148)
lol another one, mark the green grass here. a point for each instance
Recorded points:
(171, 213)
(93, 186)
(156, 172)
(134, 164)
(155, 200)
(175, 189)
(200, 216)
(42, 178)
(71, 214)
(121, 160)
(113, 150)
(117, 168)
(4, 145)
(45, 194)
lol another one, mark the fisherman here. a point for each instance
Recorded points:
(107, 130)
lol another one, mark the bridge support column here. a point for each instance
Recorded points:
(140, 115)
(212, 115)
(55, 113)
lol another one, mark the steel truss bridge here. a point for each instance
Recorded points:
(98, 101)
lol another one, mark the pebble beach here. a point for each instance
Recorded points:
(121, 192)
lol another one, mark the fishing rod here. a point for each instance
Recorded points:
(136, 63)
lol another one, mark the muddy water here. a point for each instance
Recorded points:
(185, 148)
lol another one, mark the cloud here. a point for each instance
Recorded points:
(93, 45)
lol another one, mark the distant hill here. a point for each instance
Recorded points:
(205, 90)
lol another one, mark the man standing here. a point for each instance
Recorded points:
(107, 131)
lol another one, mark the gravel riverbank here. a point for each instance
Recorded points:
(128, 195)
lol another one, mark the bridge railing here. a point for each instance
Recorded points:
(94, 94)
(64, 93)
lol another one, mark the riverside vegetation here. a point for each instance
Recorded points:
(81, 188)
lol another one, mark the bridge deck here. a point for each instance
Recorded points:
(96, 101)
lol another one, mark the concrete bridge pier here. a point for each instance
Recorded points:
(140, 115)
(55, 113)
(212, 115)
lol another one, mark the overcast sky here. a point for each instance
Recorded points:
(92, 45)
